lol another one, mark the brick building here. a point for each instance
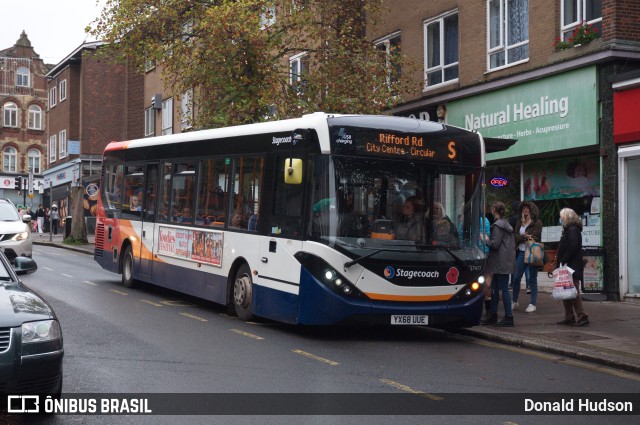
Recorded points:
(91, 103)
(535, 71)
(23, 102)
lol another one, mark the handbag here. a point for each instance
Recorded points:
(563, 287)
(534, 254)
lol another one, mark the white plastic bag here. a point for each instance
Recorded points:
(563, 287)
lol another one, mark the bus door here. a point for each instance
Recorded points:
(149, 209)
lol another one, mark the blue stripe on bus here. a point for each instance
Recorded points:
(316, 304)
(321, 306)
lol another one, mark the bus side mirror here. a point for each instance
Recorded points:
(293, 171)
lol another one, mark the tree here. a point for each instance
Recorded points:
(78, 229)
(236, 55)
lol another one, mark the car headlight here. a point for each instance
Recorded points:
(20, 236)
(45, 330)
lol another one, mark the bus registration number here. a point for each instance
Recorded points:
(409, 319)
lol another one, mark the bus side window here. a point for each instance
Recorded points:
(287, 205)
(247, 186)
(214, 175)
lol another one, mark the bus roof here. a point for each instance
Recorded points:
(316, 121)
(321, 123)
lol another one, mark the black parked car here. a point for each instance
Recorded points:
(31, 348)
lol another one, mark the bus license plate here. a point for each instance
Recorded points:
(409, 319)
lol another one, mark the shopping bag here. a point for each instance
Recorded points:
(534, 254)
(563, 287)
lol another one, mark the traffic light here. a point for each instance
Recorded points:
(18, 184)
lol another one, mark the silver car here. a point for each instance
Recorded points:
(15, 232)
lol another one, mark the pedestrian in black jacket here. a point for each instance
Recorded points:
(570, 253)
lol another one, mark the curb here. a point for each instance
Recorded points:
(67, 247)
(579, 353)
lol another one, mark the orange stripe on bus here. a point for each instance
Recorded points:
(116, 146)
(385, 297)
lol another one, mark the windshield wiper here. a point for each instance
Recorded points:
(456, 259)
(357, 260)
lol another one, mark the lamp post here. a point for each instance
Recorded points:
(51, 202)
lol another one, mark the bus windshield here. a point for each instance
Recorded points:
(363, 205)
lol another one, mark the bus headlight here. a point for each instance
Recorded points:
(327, 275)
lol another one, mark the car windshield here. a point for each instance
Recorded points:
(407, 207)
(8, 212)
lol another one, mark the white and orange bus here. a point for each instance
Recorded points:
(304, 220)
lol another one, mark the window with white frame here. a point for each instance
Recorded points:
(53, 96)
(23, 77)
(35, 117)
(268, 17)
(578, 12)
(62, 143)
(167, 116)
(186, 110)
(508, 32)
(298, 67)
(10, 156)
(63, 90)
(10, 114)
(149, 64)
(34, 160)
(441, 50)
(149, 122)
(53, 140)
(391, 47)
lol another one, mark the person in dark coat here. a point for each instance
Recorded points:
(570, 253)
(528, 228)
(501, 263)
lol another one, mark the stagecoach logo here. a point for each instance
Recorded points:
(389, 272)
(279, 140)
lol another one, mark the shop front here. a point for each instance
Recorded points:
(555, 161)
(626, 105)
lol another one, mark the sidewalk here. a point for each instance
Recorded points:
(612, 338)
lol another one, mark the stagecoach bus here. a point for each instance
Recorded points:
(323, 219)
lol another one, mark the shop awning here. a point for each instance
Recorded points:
(495, 144)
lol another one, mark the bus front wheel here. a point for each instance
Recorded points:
(127, 268)
(243, 293)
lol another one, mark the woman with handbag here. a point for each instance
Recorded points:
(570, 253)
(528, 229)
(500, 263)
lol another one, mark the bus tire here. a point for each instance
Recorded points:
(243, 293)
(127, 268)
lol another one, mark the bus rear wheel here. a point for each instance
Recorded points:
(243, 293)
(127, 268)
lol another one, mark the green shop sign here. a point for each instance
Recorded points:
(550, 114)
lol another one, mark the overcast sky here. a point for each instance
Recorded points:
(54, 27)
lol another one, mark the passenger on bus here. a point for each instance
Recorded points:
(411, 225)
(237, 219)
(443, 235)
(134, 204)
(440, 214)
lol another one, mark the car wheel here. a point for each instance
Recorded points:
(243, 293)
(127, 268)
